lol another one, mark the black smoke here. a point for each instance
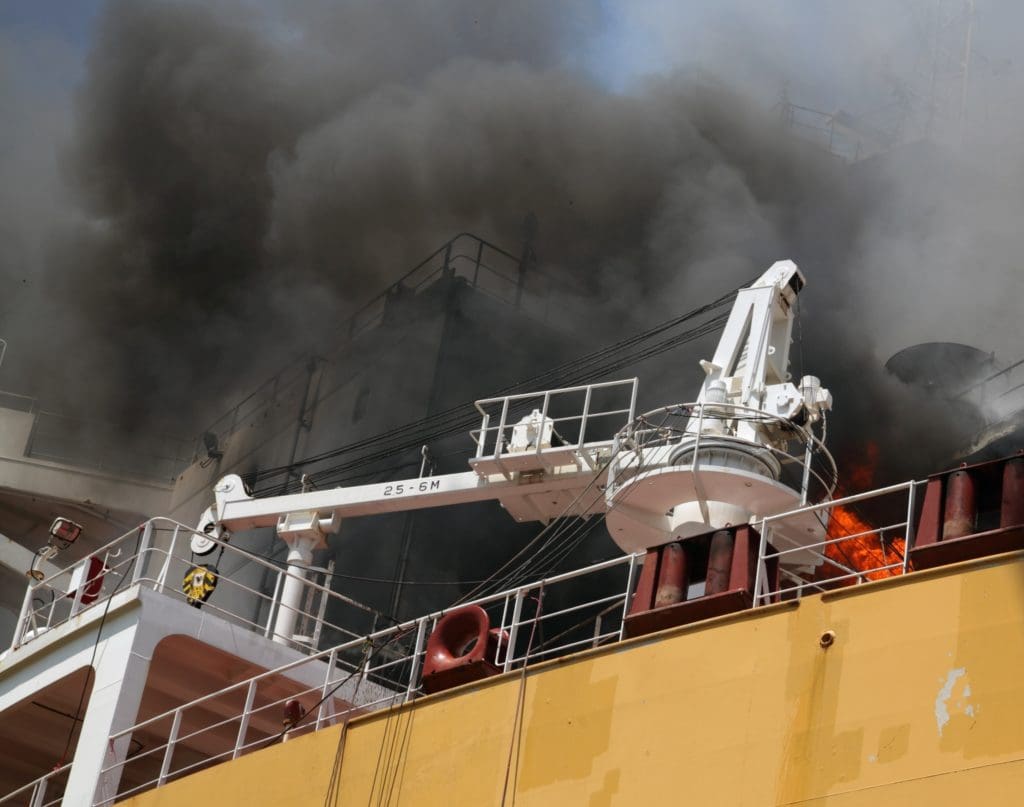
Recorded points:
(239, 176)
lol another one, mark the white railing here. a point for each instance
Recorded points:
(804, 464)
(588, 408)
(853, 551)
(46, 791)
(540, 620)
(140, 558)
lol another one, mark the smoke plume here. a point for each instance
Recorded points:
(238, 176)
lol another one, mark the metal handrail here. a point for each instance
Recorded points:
(404, 687)
(401, 673)
(763, 594)
(511, 406)
(38, 787)
(663, 437)
(143, 571)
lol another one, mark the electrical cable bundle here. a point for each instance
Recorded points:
(461, 418)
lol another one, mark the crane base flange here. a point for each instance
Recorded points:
(638, 509)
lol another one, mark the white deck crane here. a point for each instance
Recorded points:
(721, 466)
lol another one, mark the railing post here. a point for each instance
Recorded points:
(758, 574)
(501, 428)
(483, 436)
(321, 714)
(321, 611)
(805, 485)
(76, 603)
(39, 792)
(908, 538)
(161, 579)
(513, 632)
(696, 442)
(497, 645)
(630, 582)
(144, 544)
(632, 399)
(583, 419)
(26, 604)
(414, 670)
(273, 603)
(544, 421)
(172, 738)
(243, 725)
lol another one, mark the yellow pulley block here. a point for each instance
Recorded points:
(198, 584)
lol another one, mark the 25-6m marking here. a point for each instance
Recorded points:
(412, 487)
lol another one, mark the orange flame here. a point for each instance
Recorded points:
(862, 552)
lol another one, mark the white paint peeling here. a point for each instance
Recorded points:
(942, 699)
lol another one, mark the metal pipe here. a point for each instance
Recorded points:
(161, 579)
(172, 738)
(671, 586)
(961, 506)
(723, 544)
(501, 429)
(321, 714)
(144, 544)
(1011, 510)
(583, 418)
(759, 569)
(414, 670)
(544, 421)
(300, 556)
(806, 483)
(513, 633)
(908, 535)
(243, 724)
(630, 582)
(483, 436)
(273, 601)
(19, 627)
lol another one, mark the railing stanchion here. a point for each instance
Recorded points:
(414, 670)
(39, 793)
(273, 603)
(243, 724)
(583, 418)
(908, 538)
(513, 632)
(544, 422)
(806, 483)
(759, 569)
(497, 645)
(161, 581)
(321, 714)
(172, 738)
(144, 544)
(19, 627)
(321, 611)
(501, 429)
(630, 582)
(76, 602)
(483, 436)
